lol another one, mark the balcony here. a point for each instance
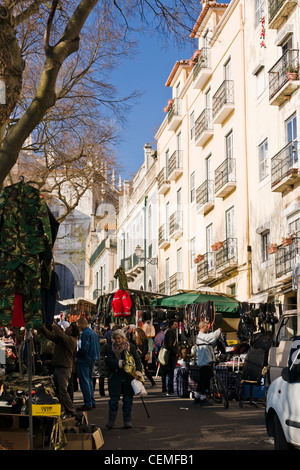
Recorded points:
(163, 184)
(279, 11)
(164, 287)
(174, 115)
(132, 266)
(202, 69)
(175, 165)
(225, 178)
(205, 198)
(285, 168)
(176, 226)
(223, 102)
(206, 269)
(163, 237)
(284, 77)
(226, 257)
(203, 127)
(285, 260)
(176, 283)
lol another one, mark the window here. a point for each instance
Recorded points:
(291, 136)
(227, 70)
(294, 227)
(192, 125)
(192, 186)
(167, 164)
(265, 239)
(192, 252)
(259, 11)
(229, 145)
(260, 82)
(263, 160)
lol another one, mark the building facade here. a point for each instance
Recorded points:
(201, 148)
(137, 226)
(273, 97)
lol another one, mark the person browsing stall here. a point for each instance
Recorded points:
(205, 342)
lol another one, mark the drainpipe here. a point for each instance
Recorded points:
(249, 266)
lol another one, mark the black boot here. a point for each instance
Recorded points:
(112, 414)
(127, 419)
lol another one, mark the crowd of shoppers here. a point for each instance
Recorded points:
(92, 354)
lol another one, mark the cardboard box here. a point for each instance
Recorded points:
(15, 440)
(84, 441)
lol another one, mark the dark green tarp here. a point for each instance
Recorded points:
(223, 304)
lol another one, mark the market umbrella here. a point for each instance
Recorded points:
(223, 303)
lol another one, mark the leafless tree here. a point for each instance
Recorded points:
(55, 60)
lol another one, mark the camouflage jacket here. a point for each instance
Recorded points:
(24, 221)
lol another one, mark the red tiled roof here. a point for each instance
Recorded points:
(174, 70)
(203, 14)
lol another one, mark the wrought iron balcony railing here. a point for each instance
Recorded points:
(203, 123)
(163, 236)
(175, 164)
(203, 61)
(225, 173)
(206, 267)
(279, 74)
(279, 11)
(205, 194)
(176, 282)
(286, 258)
(227, 254)
(175, 224)
(284, 163)
(175, 109)
(224, 95)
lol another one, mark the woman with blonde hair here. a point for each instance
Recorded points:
(119, 381)
(141, 342)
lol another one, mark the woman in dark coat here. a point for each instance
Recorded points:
(119, 381)
(142, 346)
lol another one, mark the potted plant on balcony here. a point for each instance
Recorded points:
(286, 241)
(216, 246)
(292, 72)
(272, 248)
(198, 258)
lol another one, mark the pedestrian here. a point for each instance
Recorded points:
(63, 361)
(108, 333)
(88, 352)
(167, 371)
(100, 368)
(158, 339)
(119, 381)
(141, 343)
(205, 342)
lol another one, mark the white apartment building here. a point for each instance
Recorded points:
(273, 101)
(201, 146)
(137, 226)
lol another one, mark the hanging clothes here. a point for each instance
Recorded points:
(25, 233)
(121, 276)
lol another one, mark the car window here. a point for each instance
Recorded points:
(288, 329)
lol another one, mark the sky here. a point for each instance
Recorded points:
(148, 73)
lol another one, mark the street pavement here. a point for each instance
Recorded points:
(176, 424)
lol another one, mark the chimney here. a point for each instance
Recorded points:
(147, 155)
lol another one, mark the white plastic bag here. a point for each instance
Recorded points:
(138, 388)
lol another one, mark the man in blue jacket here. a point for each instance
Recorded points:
(88, 352)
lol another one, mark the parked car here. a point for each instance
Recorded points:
(282, 412)
(286, 330)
